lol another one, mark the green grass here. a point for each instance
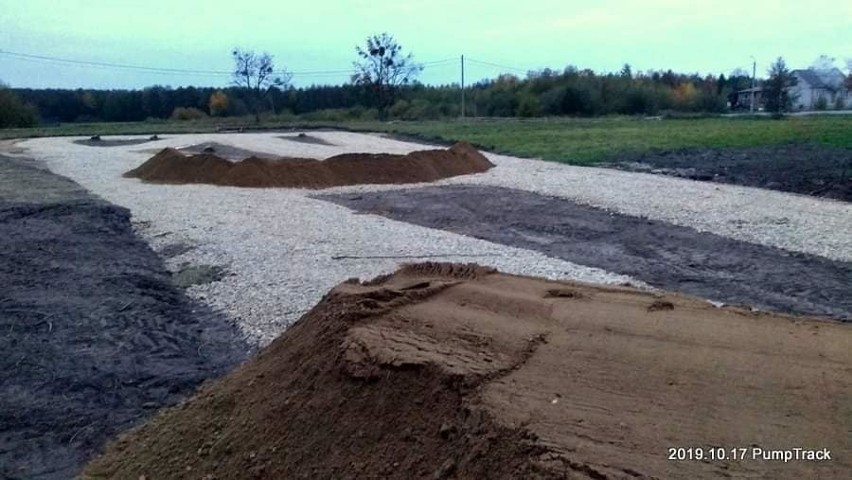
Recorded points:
(125, 128)
(570, 140)
(587, 141)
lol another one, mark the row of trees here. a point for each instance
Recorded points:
(546, 92)
(14, 112)
(383, 85)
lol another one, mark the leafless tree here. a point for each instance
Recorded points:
(823, 64)
(257, 75)
(383, 68)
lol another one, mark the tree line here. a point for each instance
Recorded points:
(383, 86)
(546, 92)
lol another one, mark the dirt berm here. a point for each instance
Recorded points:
(454, 371)
(172, 166)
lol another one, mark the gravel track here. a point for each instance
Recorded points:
(659, 253)
(284, 250)
(789, 221)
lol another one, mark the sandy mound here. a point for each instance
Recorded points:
(172, 166)
(452, 371)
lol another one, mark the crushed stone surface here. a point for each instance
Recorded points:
(284, 250)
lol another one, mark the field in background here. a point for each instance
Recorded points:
(571, 140)
(586, 141)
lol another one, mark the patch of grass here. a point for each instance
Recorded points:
(588, 141)
(571, 140)
(150, 127)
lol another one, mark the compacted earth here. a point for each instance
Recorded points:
(457, 371)
(799, 168)
(95, 335)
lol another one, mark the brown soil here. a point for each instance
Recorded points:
(459, 372)
(171, 166)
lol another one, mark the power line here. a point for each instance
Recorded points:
(111, 65)
(490, 64)
(165, 70)
(436, 62)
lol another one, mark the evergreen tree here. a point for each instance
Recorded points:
(776, 90)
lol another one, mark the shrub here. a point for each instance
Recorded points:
(285, 115)
(14, 113)
(341, 114)
(528, 106)
(821, 103)
(218, 103)
(369, 114)
(639, 100)
(551, 101)
(400, 109)
(710, 103)
(578, 100)
(191, 113)
(421, 109)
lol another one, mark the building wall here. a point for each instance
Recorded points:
(803, 95)
(806, 97)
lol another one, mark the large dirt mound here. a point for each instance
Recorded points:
(450, 371)
(172, 166)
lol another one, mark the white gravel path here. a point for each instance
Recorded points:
(282, 247)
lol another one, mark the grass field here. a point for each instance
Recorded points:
(585, 141)
(570, 140)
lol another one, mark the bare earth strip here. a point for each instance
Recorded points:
(94, 336)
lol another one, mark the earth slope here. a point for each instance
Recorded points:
(457, 371)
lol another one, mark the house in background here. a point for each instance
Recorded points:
(741, 100)
(820, 89)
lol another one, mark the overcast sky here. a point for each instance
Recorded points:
(320, 35)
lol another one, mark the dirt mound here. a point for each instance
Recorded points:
(172, 166)
(450, 371)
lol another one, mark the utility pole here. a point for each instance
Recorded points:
(462, 86)
(753, 74)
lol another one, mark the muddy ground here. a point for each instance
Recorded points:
(661, 254)
(429, 373)
(799, 168)
(95, 336)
